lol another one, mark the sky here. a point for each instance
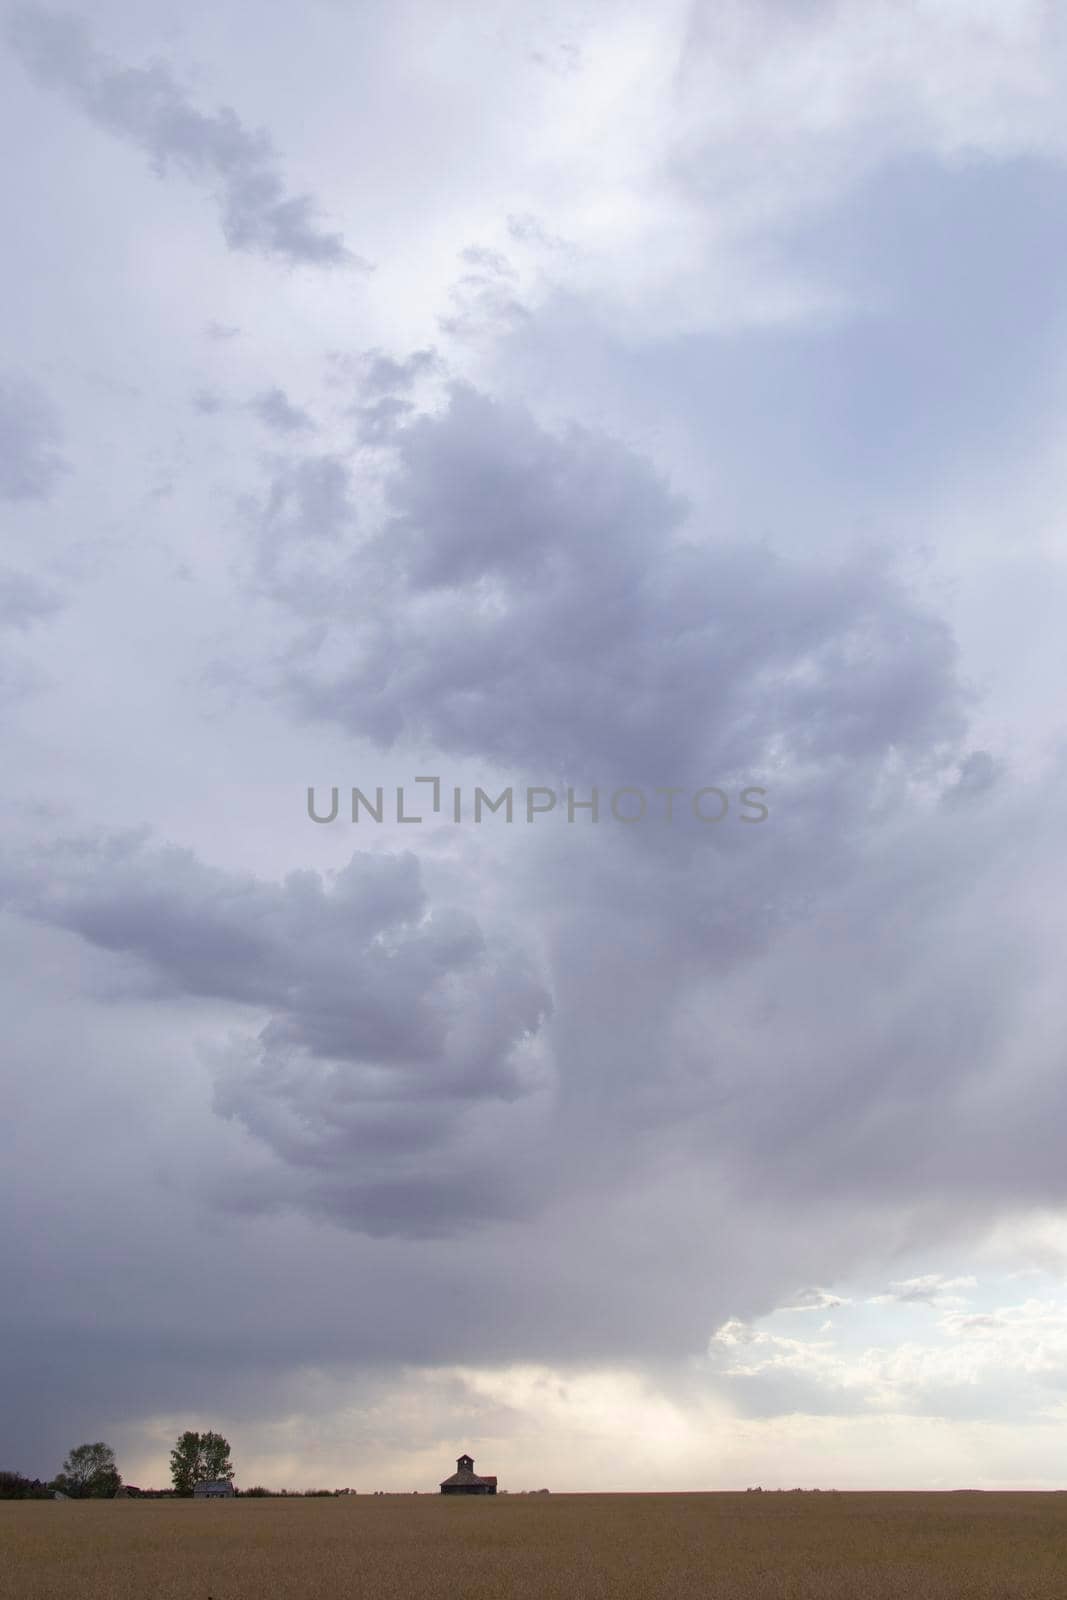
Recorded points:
(624, 446)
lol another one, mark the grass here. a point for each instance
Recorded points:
(560, 1547)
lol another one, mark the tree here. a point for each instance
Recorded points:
(185, 1463)
(89, 1472)
(199, 1458)
(13, 1486)
(215, 1452)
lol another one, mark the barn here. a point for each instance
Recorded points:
(466, 1481)
(212, 1489)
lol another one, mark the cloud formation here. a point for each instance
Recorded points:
(389, 1025)
(699, 657)
(1007, 1362)
(148, 108)
(276, 411)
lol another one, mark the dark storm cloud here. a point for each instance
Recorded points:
(542, 599)
(147, 107)
(544, 602)
(389, 1023)
(30, 463)
(729, 1113)
(541, 602)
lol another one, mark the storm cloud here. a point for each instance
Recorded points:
(388, 1023)
(546, 601)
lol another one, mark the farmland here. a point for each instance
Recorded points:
(562, 1547)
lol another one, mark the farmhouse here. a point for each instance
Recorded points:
(466, 1481)
(212, 1488)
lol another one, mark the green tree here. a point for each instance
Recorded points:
(215, 1454)
(185, 1463)
(89, 1472)
(199, 1458)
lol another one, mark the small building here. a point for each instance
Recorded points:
(213, 1489)
(466, 1481)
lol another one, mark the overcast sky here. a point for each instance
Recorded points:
(551, 398)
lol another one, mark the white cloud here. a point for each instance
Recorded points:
(933, 1288)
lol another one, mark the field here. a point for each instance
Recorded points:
(563, 1547)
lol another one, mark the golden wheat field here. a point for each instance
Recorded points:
(563, 1547)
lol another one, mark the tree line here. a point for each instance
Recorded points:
(90, 1473)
